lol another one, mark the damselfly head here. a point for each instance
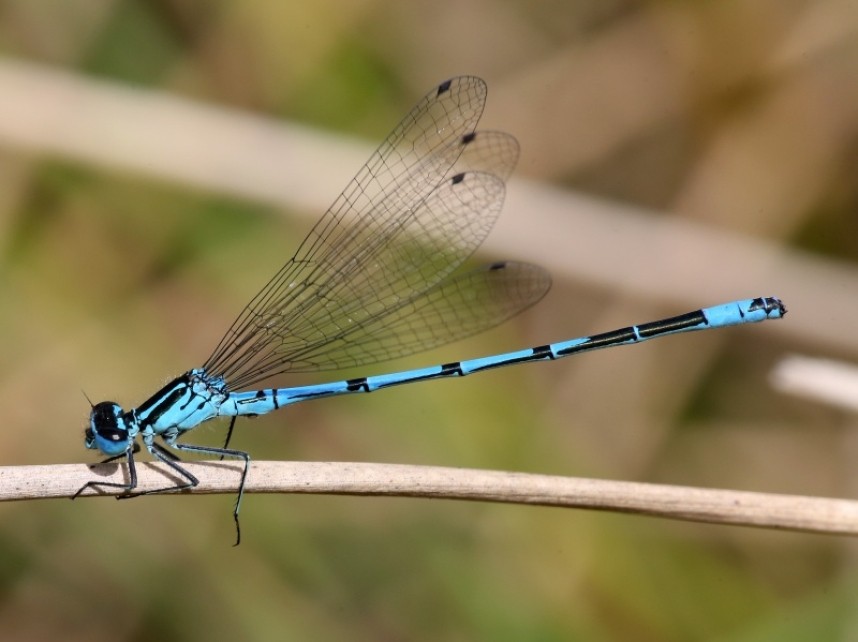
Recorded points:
(108, 429)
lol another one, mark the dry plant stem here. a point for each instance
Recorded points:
(788, 512)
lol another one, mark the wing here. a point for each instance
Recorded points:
(417, 209)
(456, 308)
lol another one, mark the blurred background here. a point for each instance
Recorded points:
(159, 160)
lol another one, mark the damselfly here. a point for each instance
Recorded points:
(374, 280)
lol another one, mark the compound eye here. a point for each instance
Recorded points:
(108, 430)
(104, 416)
(114, 435)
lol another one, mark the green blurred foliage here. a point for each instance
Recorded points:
(113, 283)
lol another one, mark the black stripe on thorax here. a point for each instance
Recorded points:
(159, 403)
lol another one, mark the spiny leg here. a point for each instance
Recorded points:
(132, 476)
(170, 459)
(226, 452)
(229, 434)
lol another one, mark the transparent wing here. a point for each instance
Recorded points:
(419, 207)
(454, 309)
